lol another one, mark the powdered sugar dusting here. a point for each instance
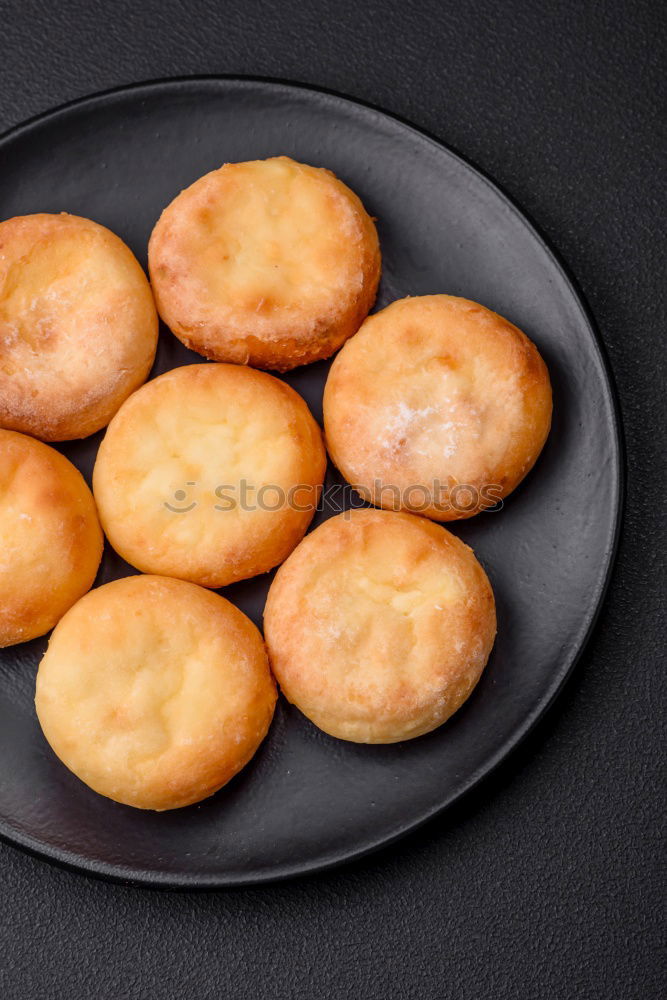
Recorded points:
(402, 422)
(406, 424)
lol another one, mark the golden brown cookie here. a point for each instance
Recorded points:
(50, 537)
(210, 473)
(155, 692)
(379, 625)
(438, 406)
(78, 325)
(270, 263)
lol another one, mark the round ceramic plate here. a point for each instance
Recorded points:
(307, 801)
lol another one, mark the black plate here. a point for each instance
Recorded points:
(308, 801)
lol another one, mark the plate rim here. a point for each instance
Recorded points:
(155, 879)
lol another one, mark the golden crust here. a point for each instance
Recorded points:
(379, 625)
(170, 473)
(78, 325)
(155, 692)
(270, 263)
(433, 395)
(50, 537)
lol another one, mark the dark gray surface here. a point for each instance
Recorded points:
(308, 801)
(544, 883)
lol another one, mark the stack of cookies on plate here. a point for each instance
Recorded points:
(155, 690)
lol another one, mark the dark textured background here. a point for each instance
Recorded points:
(545, 882)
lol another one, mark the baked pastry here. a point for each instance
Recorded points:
(78, 325)
(155, 692)
(270, 263)
(210, 473)
(379, 625)
(438, 406)
(50, 537)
